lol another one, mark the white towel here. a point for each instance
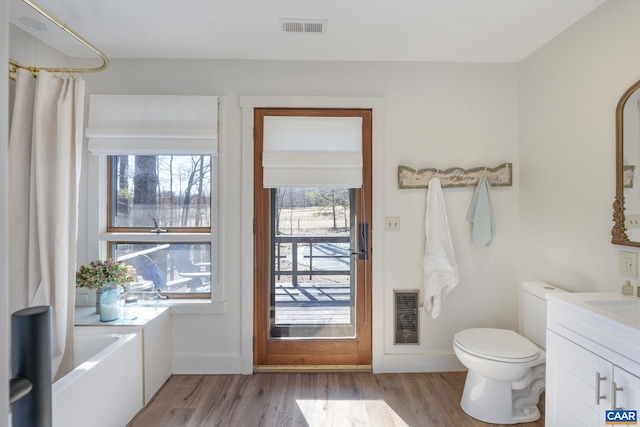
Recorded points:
(480, 213)
(440, 268)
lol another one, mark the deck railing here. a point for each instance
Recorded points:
(302, 240)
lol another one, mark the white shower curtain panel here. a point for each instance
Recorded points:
(45, 149)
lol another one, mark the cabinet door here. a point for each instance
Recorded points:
(628, 394)
(571, 384)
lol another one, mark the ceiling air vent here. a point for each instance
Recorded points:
(304, 26)
(406, 317)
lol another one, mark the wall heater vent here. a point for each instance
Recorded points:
(304, 26)
(406, 317)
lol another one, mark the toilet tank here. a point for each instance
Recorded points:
(533, 310)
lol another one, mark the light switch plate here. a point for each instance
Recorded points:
(628, 264)
(392, 223)
(632, 221)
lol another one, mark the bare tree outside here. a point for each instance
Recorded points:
(145, 181)
(176, 190)
(280, 194)
(333, 202)
(124, 196)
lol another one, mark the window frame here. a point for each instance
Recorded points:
(210, 235)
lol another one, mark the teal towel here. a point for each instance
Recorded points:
(480, 214)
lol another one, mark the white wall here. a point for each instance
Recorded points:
(569, 90)
(4, 275)
(437, 115)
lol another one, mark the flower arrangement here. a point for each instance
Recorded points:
(98, 273)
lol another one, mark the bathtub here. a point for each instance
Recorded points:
(104, 389)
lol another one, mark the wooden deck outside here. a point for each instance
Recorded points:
(313, 304)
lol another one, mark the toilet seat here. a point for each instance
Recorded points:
(501, 345)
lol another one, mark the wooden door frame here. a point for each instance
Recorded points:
(343, 352)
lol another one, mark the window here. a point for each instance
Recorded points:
(158, 188)
(159, 220)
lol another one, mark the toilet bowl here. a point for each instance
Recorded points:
(496, 371)
(506, 370)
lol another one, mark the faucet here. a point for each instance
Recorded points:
(158, 295)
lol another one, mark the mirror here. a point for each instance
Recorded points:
(626, 207)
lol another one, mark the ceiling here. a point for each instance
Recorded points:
(369, 30)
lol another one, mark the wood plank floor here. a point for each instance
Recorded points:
(311, 399)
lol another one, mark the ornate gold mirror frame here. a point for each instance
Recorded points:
(619, 231)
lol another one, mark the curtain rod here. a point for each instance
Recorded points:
(14, 65)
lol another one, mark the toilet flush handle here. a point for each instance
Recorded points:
(598, 379)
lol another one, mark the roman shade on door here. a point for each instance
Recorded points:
(312, 152)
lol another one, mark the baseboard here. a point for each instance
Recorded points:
(419, 362)
(311, 368)
(209, 364)
(206, 364)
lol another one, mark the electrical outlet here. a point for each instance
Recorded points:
(628, 264)
(392, 223)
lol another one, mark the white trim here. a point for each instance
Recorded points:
(246, 245)
(377, 230)
(4, 225)
(311, 102)
(204, 363)
(248, 104)
(421, 362)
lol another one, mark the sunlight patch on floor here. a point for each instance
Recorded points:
(351, 412)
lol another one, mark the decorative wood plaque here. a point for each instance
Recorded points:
(500, 176)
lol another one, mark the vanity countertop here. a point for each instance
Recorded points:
(87, 316)
(612, 306)
(602, 322)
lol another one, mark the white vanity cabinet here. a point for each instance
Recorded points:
(575, 376)
(593, 361)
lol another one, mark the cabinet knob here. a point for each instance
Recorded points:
(598, 396)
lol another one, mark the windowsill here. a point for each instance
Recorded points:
(87, 316)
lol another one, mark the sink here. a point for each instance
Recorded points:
(622, 310)
(627, 309)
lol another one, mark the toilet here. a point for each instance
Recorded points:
(506, 370)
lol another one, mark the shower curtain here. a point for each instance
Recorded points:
(45, 149)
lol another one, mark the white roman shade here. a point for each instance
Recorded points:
(312, 152)
(153, 124)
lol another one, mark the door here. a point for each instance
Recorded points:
(572, 384)
(312, 264)
(625, 391)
